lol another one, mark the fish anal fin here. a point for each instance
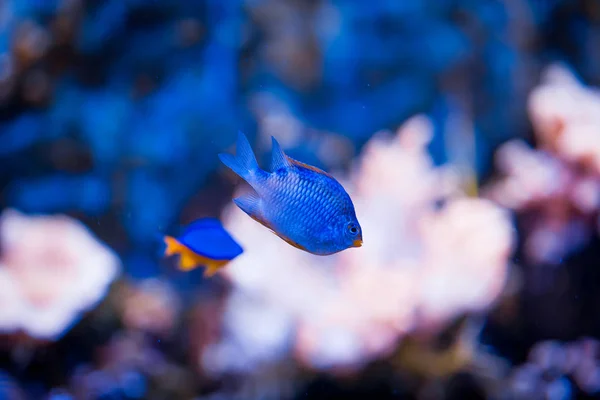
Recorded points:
(270, 227)
(291, 242)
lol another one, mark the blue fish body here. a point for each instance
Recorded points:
(300, 203)
(208, 238)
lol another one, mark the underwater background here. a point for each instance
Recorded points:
(467, 133)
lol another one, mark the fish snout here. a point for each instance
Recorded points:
(357, 243)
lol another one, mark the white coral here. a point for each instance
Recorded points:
(51, 270)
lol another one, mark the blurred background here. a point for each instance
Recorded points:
(466, 131)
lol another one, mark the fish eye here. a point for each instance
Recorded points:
(352, 228)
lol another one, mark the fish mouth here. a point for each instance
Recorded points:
(357, 243)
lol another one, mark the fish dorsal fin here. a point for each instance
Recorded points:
(279, 159)
(308, 167)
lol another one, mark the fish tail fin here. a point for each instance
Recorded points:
(173, 246)
(244, 162)
(187, 260)
(250, 204)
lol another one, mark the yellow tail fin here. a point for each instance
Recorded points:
(173, 246)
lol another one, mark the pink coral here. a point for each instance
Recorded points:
(51, 270)
(566, 118)
(417, 269)
(558, 185)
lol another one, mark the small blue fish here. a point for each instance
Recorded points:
(301, 204)
(203, 242)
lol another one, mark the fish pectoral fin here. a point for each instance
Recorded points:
(249, 203)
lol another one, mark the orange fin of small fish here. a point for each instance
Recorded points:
(213, 268)
(173, 246)
(188, 261)
(268, 226)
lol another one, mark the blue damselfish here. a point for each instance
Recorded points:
(300, 203)
(203, 242)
